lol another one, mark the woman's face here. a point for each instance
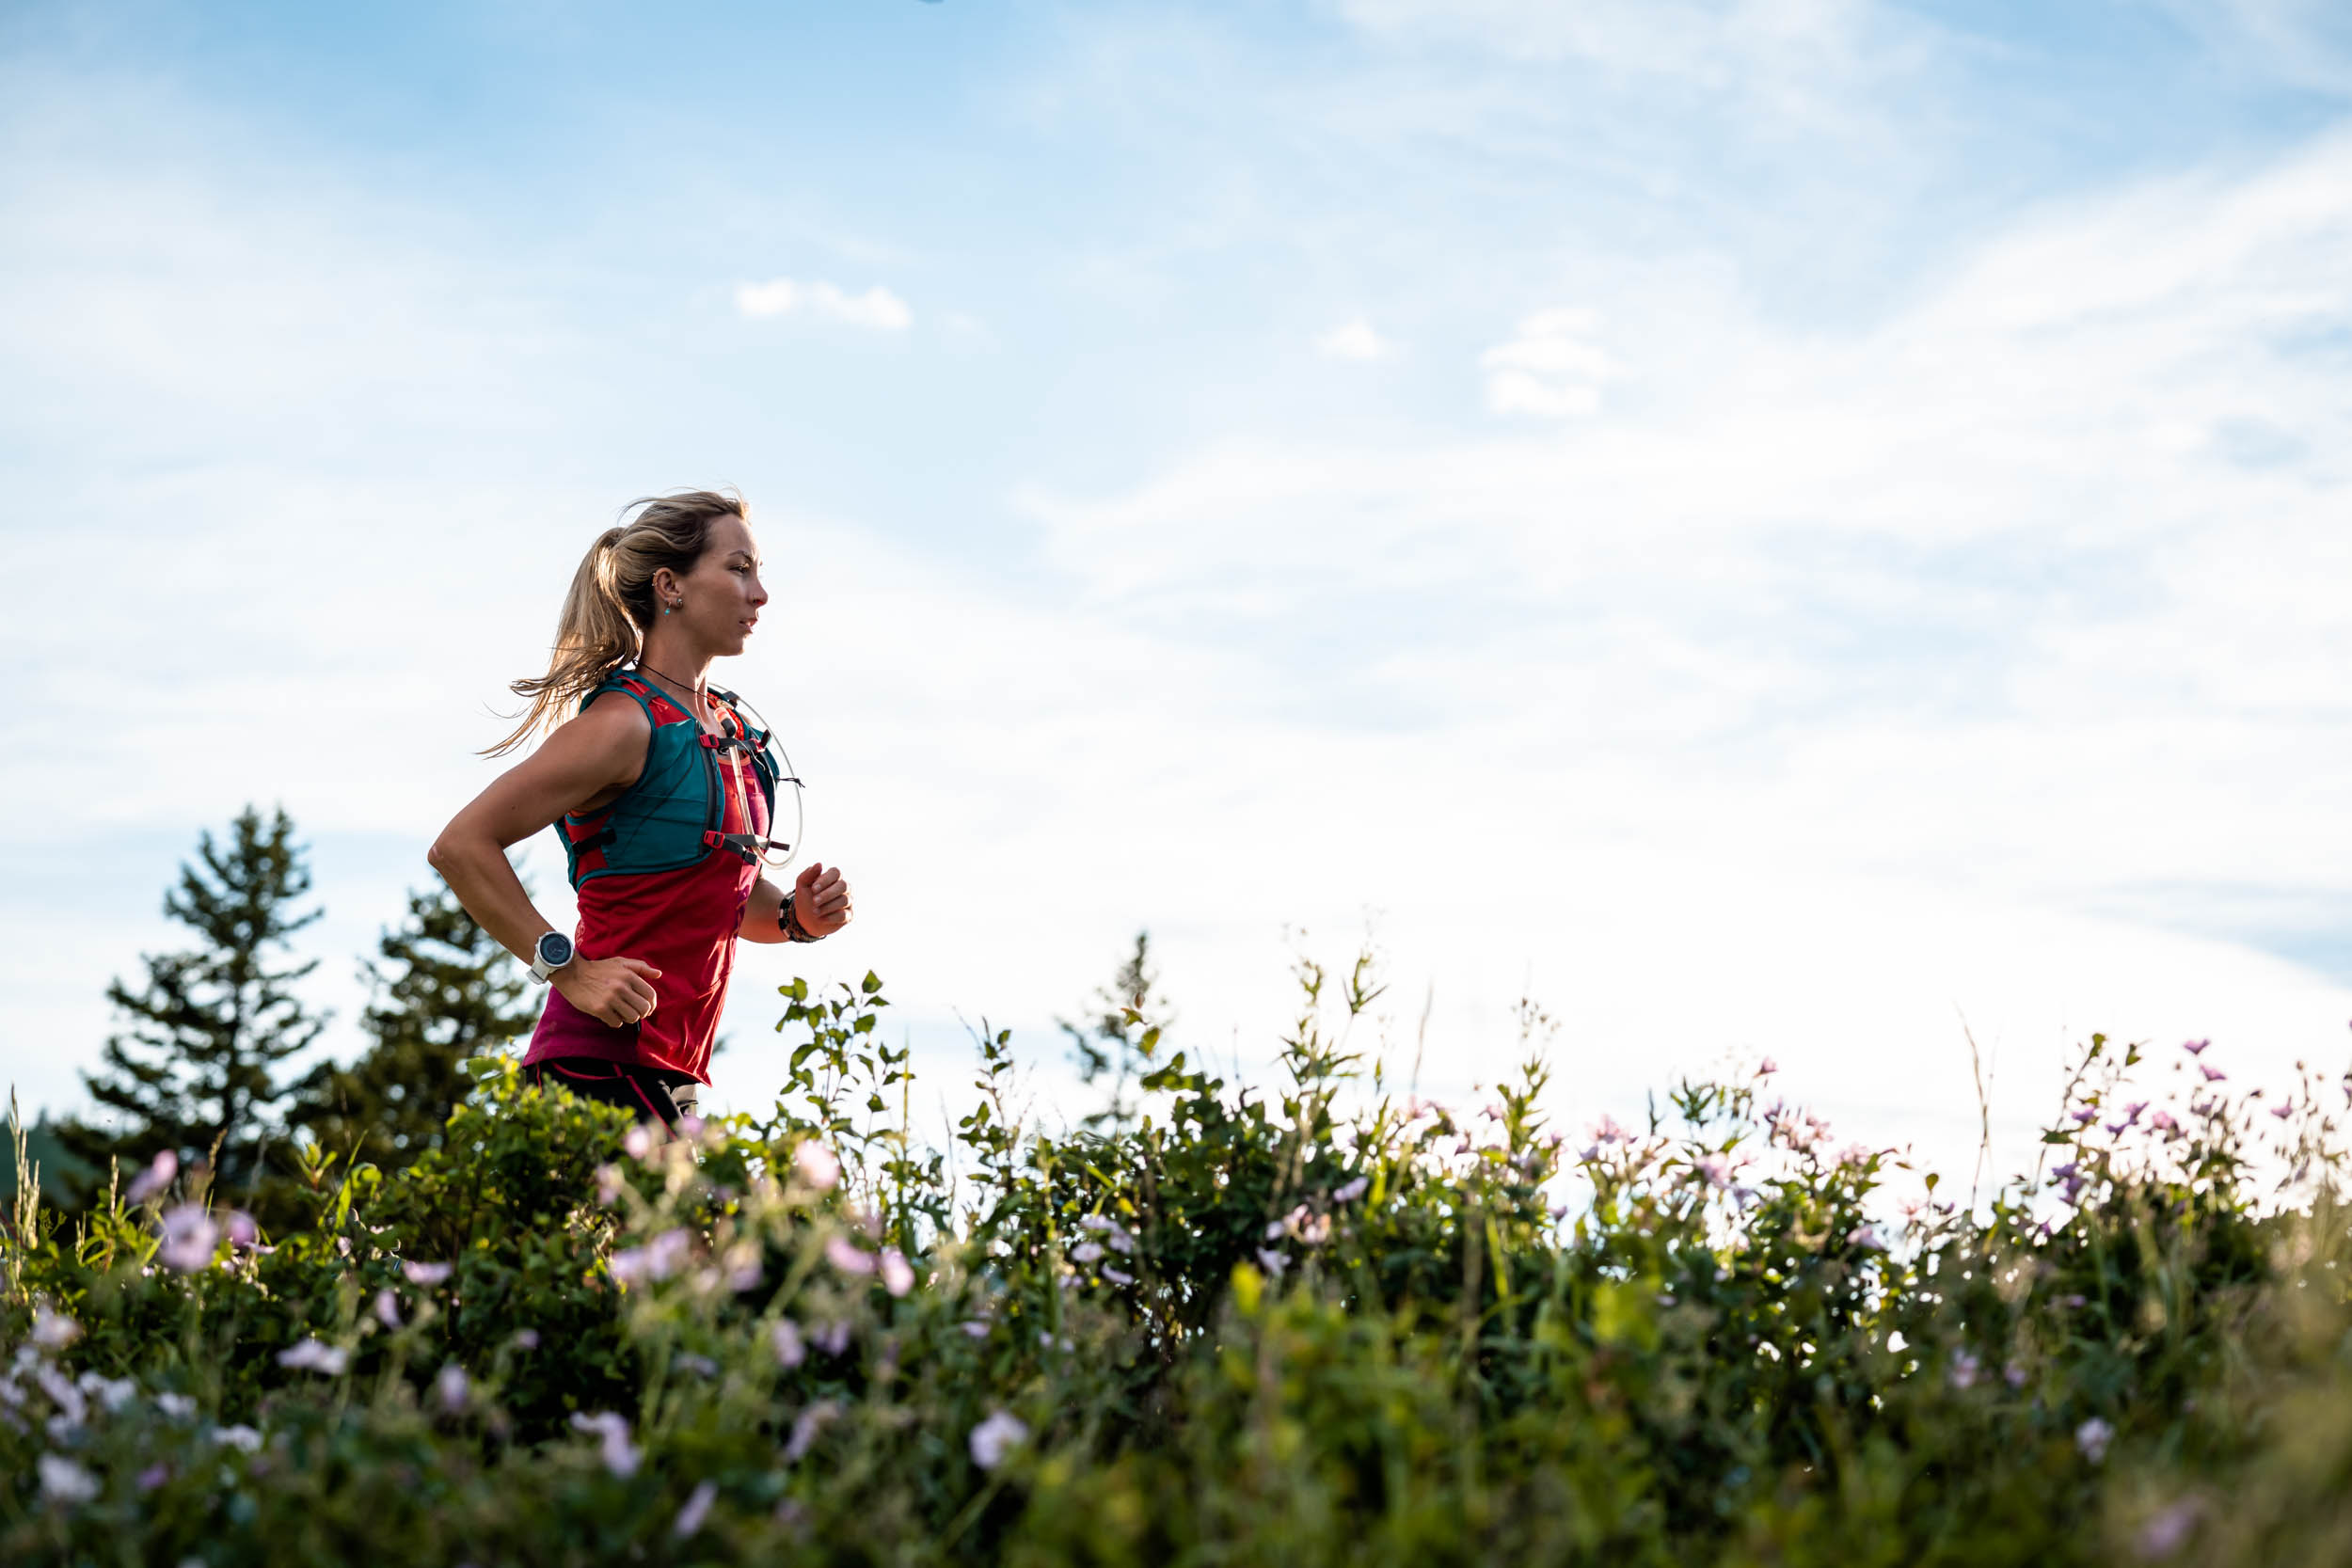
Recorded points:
(722, 593)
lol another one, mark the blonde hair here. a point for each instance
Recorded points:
(610, 604)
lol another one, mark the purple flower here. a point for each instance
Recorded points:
(2131, 1112)
(388, 1309)
(1117, 1277)
(2014, 1376)
(190, 1239)
(451, 1388)
(832, 1338)
(2162, 1121)
(1271, 1263)
(1353, 1190)
(976, 1328)
(314, 1355)
(690, 1518)
(609, 1184)
(2167, 1530)
(848, 1256)
(1715, 1170)
(785, 1339)
(2065, 1171)
(995, 1437)
(2092, 1438)
(526, 1338)
(53, 1330)
(666, 1252)
(153, 1476)
(620, 1455)
(638, 1143)
(2213, 1074)
(806, 1426)
(1766, 1068)
(1964, 1373)
(425, 1274)
(1092, 1252)
(155, 1178)
(2283, 1112)
(2195, 1048)
(242, 1233)
(2083, 1114)
(898, 1274)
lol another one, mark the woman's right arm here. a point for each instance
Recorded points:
(585, 761)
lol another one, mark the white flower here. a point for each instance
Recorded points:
(155, 1178)
(818, 1167)
(71, 1407)
(238, 1436)
(425, 1274)
(690, 1518)
(451, 1388)
(2092, 1438)
(620, 1454)
(62, 1480)
(897, 1272)
(1353, 1190)
(190, 1238)
(178, 1406)
(790, 1348)
(974, 1328)
(315, 1355)
(112, 1392)
(53, 1330)
(994, 1439)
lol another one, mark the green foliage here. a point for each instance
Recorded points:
(1312, 1327)
(444, 990)
(197, 1070)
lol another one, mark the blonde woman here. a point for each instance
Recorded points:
(663, 792)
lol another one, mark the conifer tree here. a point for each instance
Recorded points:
(444, 990)
(196, 1069)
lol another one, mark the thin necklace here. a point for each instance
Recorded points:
(673, 680)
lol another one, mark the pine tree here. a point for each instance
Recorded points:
(196, 1070)
(1130, 1016)
(444, 990)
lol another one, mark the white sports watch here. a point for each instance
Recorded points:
(550, 954)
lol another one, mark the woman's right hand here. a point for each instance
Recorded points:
(618, 991)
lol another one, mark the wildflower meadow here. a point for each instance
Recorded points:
(1325, 1324)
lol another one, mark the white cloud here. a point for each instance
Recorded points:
(1550, 368)
(876, 308)
(1354, 339)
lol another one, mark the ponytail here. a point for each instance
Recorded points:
(610, 605)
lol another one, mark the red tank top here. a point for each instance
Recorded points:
(683, 922)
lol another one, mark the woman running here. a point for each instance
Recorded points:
(663, 792)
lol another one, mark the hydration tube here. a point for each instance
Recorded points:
(785, 774)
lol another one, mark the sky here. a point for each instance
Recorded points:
(1799, 529)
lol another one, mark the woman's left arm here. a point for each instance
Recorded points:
(821, 902)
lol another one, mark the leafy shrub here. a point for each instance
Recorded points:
(1321, 1326)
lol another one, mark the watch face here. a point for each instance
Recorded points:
(555, 950)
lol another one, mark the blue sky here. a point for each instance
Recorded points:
(1776, 524)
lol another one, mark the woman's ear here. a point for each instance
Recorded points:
(664, 586)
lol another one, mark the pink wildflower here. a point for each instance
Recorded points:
(1766, 1068)
(190, 1238)
(2092, 1438)
(848, 1256)
(995, 1437)
(2195, 1048)
(789, 1347)
(2167, 1530)
(1353, 1190)
(620, 1455)
(155, 1178)
(806, 1426)
(818, 1166)
(425, 1274)
(638, 1143)
(388, 1309)
(898, 1274)
(2213, 1074)
(690, 1518)
(451, 1388)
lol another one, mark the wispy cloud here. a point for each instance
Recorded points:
(876, 308)
(1550, 367)
(1354, 339)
